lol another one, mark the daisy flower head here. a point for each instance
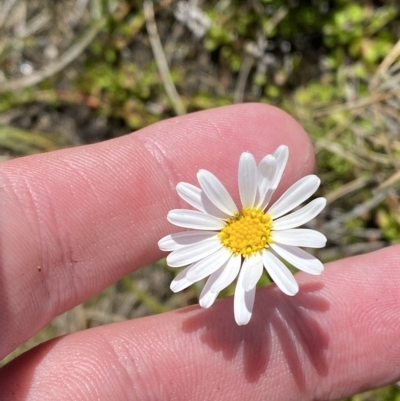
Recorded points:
(225, 242)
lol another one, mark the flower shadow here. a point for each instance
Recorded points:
(290, 321)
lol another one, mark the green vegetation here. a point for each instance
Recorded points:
(334, 66)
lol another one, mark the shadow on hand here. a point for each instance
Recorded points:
(288, 321)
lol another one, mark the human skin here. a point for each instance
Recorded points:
(90, 215)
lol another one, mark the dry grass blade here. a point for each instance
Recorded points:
(347, 189)
(51, 69)
(160, 59)
(347, 154)
(359, 210)
(356, 104)
(384, 66)
(23, 142)
(242, 79)
(392, 181)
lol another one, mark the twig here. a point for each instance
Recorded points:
(160, 59)
(359, 209)
(5, 10)
(348, 188)
(53, 68)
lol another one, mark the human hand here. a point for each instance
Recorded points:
(90, 215)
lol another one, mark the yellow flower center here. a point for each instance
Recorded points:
(248, 232)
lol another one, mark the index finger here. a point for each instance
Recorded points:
(89, 215)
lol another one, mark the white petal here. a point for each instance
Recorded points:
(207, 297)
(296, 194)
(247, 179)
(178, 240)
(194, 252)
(301, 216)
(243, 302)
(208, 265)
(253, 268)
(198, 199)
(299, 258)
(266, 173)
(216, 192)
(228, 274)
(180, 282)
(194, 219)
(210, 208)
(281, 275)
(281, 155)
(300, 237)
(190, 194)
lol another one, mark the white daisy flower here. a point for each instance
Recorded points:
(225, 242)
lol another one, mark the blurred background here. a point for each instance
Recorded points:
(81, 71)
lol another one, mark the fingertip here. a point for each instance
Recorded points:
(90, 215)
